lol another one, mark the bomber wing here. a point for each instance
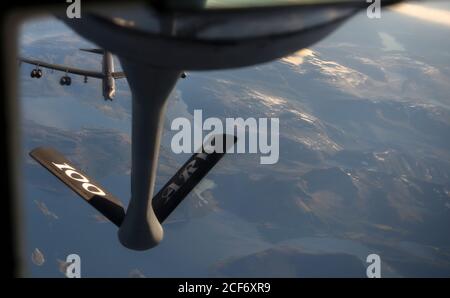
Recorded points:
(64, 68)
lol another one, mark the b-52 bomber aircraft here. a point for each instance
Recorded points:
(156, 41)
(107, 74)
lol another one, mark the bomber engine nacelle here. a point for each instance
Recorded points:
(36, 73)
(65, 80)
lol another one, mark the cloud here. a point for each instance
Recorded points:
(44, 209)
(37, 257)
(298, 57)
(389, 42)
(428, 14)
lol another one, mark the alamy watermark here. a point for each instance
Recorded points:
(73, 10)
(253, 136)
(73, 266)
(374, 269)
(374, 9)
